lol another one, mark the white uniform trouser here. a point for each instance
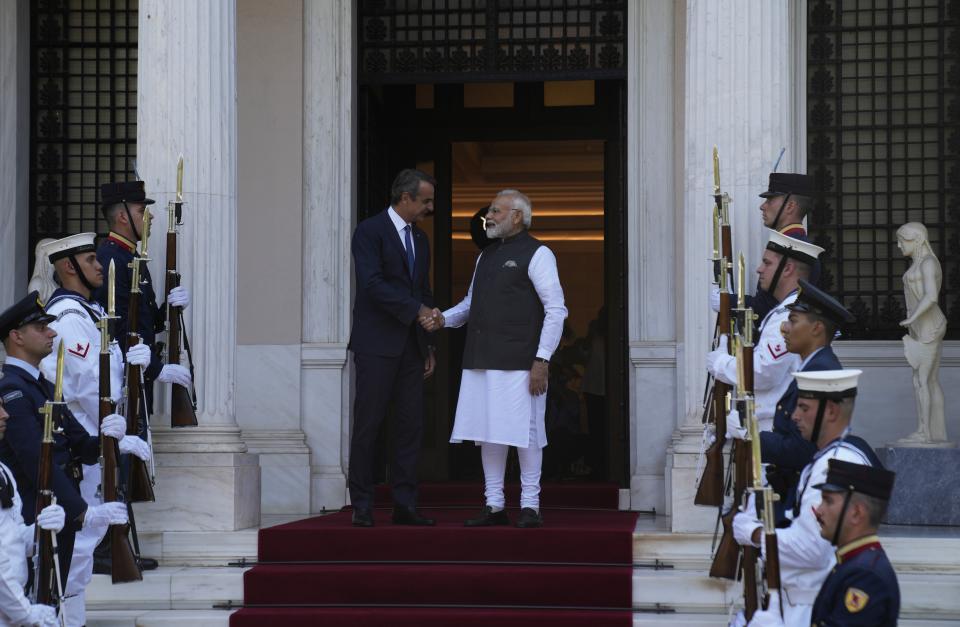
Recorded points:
(494, 458)
(81, 564)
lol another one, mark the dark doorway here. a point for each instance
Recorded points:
(561, 143)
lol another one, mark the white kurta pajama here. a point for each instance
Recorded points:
(496, 406)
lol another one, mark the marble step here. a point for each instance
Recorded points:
(199, 548)
(168, 588)
(933, 553)
(928, 596)
(158, 618)
(719, 620)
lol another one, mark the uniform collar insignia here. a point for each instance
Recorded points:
(123, 241)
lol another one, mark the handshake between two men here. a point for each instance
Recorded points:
(430, 319)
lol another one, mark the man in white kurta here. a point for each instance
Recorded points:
(823, 414)
(516, 311)
(79, 272)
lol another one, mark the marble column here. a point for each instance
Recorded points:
(187, 103)
(741, 92)
(329, 140)
(14, 149)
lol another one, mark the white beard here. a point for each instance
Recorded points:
(497, 230)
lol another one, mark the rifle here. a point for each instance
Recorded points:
(711, 483)
(47, 585)
(765, 497)
(139, 486)
(125, 566)
(183, 403)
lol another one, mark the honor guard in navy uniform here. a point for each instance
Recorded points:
(27, 339)
(862, 589)
(75, 262)
(123, 205)
(16, 545)
(825, 402)
(785, 262)
(812, 323)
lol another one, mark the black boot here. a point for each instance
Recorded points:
(488, 518)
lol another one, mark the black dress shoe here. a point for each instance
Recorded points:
(529, 518)
(409, 516)
(362, 518)
(148, 563)
(488, 518)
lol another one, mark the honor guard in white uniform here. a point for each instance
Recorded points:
(75, 262)
(825, 402)
(16, 547)
(785, 261)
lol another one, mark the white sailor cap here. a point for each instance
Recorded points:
(830, 384)
(72, 245)
(792, 247)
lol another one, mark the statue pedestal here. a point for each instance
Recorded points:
(926, 490)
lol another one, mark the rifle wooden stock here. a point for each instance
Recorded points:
(772, 567)
(124, 563)
(726, 559)
(182, 410)
(710, 489)
(45, 574)
(139, 487)
(751, 556)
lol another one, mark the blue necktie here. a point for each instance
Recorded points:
(409, 245)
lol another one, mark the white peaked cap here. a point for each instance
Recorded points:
(72, 245)
(792, 247)
(829, 383)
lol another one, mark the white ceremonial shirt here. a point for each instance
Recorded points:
(16, 543)
(81, 359)
(773, 364)
(496, 405)
(806, 558)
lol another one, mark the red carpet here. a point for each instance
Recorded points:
(576, 570)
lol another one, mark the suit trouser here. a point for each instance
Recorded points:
(381, 380)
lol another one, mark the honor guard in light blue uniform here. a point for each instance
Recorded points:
(75, 262)
(16, 546)
(862, 589)
(24, 390)
(825, 402)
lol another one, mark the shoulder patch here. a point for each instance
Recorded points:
(855, 600)
(777, 350)
(12, 396)
(80, 350)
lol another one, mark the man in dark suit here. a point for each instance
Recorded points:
(391, 352)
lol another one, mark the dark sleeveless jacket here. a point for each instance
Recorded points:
(506, 315)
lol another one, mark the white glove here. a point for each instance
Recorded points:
(738, 620)
(114, 513)
(139, 355)
(179, 297)
(51, 518)
(769, 617)
(175, 373)
(744, 524)
(734, 430)
(42, 616)
(716, 355)
(114, 426)
(715, 297)
(136, 446)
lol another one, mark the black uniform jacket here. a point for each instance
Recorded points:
(23, 397)
(151, 316)
(861, 589)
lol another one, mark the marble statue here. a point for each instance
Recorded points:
(42, 279)
(926, 326)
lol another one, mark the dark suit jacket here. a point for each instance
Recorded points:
(387, 298)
